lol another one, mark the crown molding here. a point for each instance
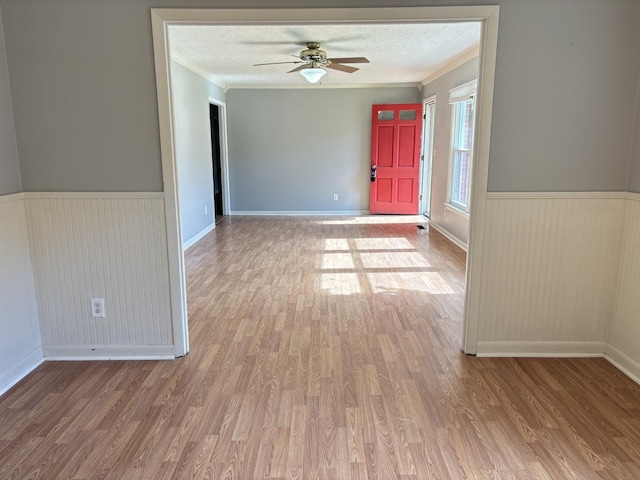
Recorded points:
(320, 86)
(185, 62)
(451, 66)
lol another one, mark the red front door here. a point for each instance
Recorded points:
(396, 134)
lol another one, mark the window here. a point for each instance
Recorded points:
(462, 101)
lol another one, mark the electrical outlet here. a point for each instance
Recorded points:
(97, 308)
(206, 209)
(335, 197)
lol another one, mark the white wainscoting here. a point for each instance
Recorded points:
(549, 270)
(106, 245)
(20, 345)
(624, 339)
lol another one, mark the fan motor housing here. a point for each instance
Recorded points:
(313, 53)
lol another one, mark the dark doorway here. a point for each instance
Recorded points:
(214, 116)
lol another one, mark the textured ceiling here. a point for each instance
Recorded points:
(399, 53)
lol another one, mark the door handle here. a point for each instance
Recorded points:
(373, 173)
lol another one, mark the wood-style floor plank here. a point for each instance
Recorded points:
(323, 348)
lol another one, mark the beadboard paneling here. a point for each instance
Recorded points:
(549, 271)
(624, 338)
(20, 345)
(107, 246)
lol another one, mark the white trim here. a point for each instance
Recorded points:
(450, 236)
(430, 99)
(109, 352)
(623, 362)
(323, 15)
(303, 213)
(450, 67)
(190, 243)
(177, 281)
(12, 197)
(91, 195)
(540, 349)
(631, 196)
(480, 174)
(426, 164)
(456, 211)
(463, 92)
(224, 154)
(321, 86)
(15, 373)
(188, 64)
(554, 195)
(486, 14)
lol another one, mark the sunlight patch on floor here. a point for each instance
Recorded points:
(429, 282)
(393, 260)
(336, 244)
(340, 283)
(393, 243)
(337, 261)
(375, 219)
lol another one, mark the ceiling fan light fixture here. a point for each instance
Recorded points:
(313, 74)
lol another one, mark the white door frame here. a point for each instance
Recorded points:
(426, 165)
(487, 15)
(224, 155)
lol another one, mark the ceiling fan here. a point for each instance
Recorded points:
(314, 61)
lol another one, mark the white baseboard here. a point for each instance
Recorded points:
(198, 236)
(541, 349)
(109, 352)
(623, 362)
(345, 213)
(455, 240)
(20, 370)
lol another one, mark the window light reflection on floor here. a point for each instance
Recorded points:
(336, 244)
(340, 283)
(375, 219)
(427, 282)
(337, 261)
(384, 243)
(393, 260)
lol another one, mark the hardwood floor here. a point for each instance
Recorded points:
(323, 348)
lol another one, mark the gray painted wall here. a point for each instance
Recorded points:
(291, 150)
(454, 223)
(83, 90)
(9, 165)
(193, 148)
(562, 116)
(634, 169)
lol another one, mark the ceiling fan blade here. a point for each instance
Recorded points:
(272, 63)
(342, 68)
(349, 60)
(297, 69)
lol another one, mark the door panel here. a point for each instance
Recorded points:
(396, 132)
(406, 146)
(406, 193)
(384, 190)
(385, 145)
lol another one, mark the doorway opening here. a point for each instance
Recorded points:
(429, 112)
(487, 15)
(216, 154)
